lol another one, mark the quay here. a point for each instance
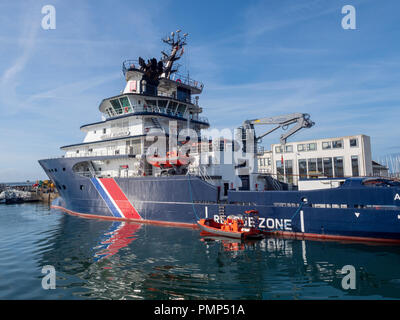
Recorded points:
(20, 192)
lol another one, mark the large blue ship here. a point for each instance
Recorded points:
(153, 159)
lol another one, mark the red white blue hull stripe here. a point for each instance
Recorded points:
(115, 198)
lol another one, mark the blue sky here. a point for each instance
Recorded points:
(256, 58)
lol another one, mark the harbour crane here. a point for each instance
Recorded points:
(302, 120)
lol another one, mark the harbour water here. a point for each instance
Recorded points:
(97, 259)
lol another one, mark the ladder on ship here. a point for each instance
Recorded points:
(156, 123)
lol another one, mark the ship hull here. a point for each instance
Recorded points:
(183, 200)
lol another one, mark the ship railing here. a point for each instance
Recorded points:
(200, 172)
(129, 65)
(96, 154)
(187, 80)
(132, 64)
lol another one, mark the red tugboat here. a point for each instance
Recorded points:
(232, 227)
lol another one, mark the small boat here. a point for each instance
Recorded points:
(172, 159)
(231, 228)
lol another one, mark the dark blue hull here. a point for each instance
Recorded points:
(352, 212)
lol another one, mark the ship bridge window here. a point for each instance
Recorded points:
(181, 109)
(161, 104)
(151, 103)
(126, 106)
(117, 106)
(171, 107)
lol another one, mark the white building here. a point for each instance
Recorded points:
(340, 157)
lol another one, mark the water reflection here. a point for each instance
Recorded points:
(110, 260)
(118, 236)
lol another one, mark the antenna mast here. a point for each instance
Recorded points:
(177, 43)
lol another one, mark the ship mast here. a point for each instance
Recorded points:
(177, 43)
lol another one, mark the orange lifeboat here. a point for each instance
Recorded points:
(232, 228)
(172, 159)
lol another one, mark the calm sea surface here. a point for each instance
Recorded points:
(97, 259)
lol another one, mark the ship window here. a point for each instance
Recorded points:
(125, 104)
(300, 147)
(63, 169)
(104, 130)
(171, 108)
(81, 187)
(162, 103)
(181, 109)
(64, 187)
(116, 105)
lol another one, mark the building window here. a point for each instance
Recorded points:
(278, 149)
(311, 147)
(312, 166)
(326, 145)
(338, 165)
(353, 142)
(289, 148)
(289, 171)
(354, 166)
(302, 168)
(337, 144)
(279, 170)
(328, 169)
(307, 147)
(320, 168)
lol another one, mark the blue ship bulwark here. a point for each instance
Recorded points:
(354, 211)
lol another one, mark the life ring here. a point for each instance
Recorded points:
(178, 80)
(126, 109)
